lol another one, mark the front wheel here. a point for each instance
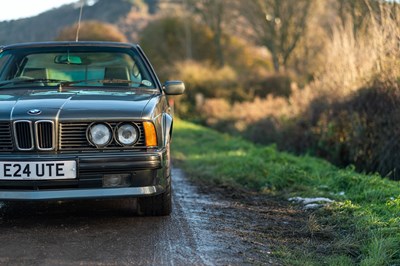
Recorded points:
(159, 205)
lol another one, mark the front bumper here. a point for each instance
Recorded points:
(148, 173)
(69, 194)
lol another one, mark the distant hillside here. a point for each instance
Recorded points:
(46, 26)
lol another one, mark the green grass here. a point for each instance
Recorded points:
(366, 212)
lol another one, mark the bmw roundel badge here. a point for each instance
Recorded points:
(34, 112)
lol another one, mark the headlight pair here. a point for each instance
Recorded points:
(102, 134)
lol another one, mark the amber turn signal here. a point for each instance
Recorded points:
(150, 134)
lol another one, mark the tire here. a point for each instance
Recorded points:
(159, 205)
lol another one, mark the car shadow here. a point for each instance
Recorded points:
(41, 213)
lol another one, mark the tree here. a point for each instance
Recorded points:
(212, 13)
(278, 25)
(165, 43)
(92, 31)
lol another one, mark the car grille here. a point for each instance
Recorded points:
(72, 137)
(39, 135)
(45, 135)
(6, 143)
(23, 135)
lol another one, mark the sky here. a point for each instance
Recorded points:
(16, 9)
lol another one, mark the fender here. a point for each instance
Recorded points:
(167, 128)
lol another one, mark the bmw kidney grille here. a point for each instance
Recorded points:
(29, 135)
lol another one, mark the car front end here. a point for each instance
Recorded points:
(76, 133)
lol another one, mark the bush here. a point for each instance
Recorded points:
(215, 111)
(166, 42)
(204, 81)
(276, 85)
(92, 31)
(363, 131)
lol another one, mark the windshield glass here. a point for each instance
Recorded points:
(74, 67)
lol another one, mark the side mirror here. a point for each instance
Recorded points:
(174, 87)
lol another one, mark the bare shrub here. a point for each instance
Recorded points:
(203, 81)
(206, 79)
(213, 111)
(247, 113)
(263, 120)
(243, 114)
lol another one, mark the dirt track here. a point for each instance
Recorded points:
(206, 228)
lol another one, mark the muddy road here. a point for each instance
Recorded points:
(206, 228)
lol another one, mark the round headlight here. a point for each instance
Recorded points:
(127, 134)
(100, 135)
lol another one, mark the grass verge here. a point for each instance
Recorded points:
(365, 214)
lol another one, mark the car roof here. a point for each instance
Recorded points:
(68, 44)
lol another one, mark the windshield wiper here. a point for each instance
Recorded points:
(66, 83)
(103, 81)
(22, 81)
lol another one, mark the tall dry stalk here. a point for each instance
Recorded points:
(354, 60)
(386, 40)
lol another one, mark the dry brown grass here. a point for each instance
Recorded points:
(354, 60)
(245, 114)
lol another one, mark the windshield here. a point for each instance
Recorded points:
(71, 67)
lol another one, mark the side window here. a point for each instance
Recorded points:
(3, 62)
(3, 59)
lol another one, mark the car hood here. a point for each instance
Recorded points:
(73, 104)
